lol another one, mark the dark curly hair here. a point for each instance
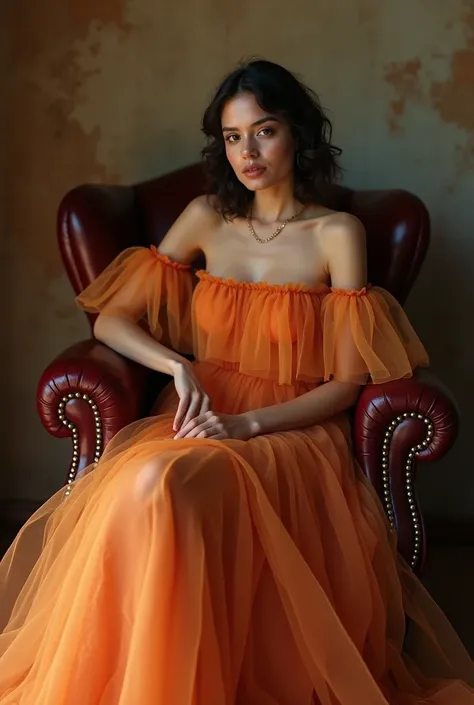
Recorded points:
(280, 93)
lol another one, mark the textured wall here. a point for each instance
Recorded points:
(113, 91)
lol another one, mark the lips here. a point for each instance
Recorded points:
(254, 170)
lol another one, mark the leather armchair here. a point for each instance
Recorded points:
(89, 392)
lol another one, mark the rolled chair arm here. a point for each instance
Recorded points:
(396, 425)
(89, 392)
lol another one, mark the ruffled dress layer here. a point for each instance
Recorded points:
(200, 572)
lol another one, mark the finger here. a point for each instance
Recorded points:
(205, 405)
(203, 431)
(192, 411)
(194, 426)
(181, 411)
(198, 432)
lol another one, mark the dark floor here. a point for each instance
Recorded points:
(449, 577)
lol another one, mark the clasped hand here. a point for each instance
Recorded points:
(194, 417)
(216, 426)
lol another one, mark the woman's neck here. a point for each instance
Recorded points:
(275, 204)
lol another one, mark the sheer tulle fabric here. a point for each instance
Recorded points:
(222, 572)
(367, 336)
(143, 285)
(291, 333)
(297, 333)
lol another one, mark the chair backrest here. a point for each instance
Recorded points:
(96, 222)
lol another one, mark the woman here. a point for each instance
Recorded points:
(229, 551)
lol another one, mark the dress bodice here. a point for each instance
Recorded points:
(287, 333)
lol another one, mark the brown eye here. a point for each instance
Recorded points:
(266, 131)
(230, 138)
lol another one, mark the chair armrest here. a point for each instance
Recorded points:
(396, 425)
(89, 392)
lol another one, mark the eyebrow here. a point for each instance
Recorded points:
(269, 118)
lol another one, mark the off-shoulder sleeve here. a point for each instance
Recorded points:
(368, 337)
(143, 285)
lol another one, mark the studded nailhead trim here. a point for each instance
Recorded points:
(387, 498)
(385, 465)
(75, 434)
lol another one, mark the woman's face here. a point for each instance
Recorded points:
(259, 146)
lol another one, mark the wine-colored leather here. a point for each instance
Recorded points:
(101, 392)
(96, 222)
(415, 417)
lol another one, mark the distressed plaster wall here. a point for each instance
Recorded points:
(114, 90)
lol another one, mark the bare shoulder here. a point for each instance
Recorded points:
(202, 208)
(184, 240)
(344, 243)
(343, 229)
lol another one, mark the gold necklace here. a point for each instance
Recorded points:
(277, 231)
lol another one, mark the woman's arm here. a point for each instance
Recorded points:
(130, 340)
(311, 408)
(117, 326)
(182, 243)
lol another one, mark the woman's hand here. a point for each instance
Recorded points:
(193, 400)
(218, 427)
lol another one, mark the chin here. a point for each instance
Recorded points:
(258, 184)
(266, 181)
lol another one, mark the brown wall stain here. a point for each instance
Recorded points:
(404, 77)
(47, 152)
(454, 98)
(104, 11)
(397, 108)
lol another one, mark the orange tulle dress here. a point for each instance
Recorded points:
(200, 572)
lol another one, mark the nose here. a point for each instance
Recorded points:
(249, 149)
